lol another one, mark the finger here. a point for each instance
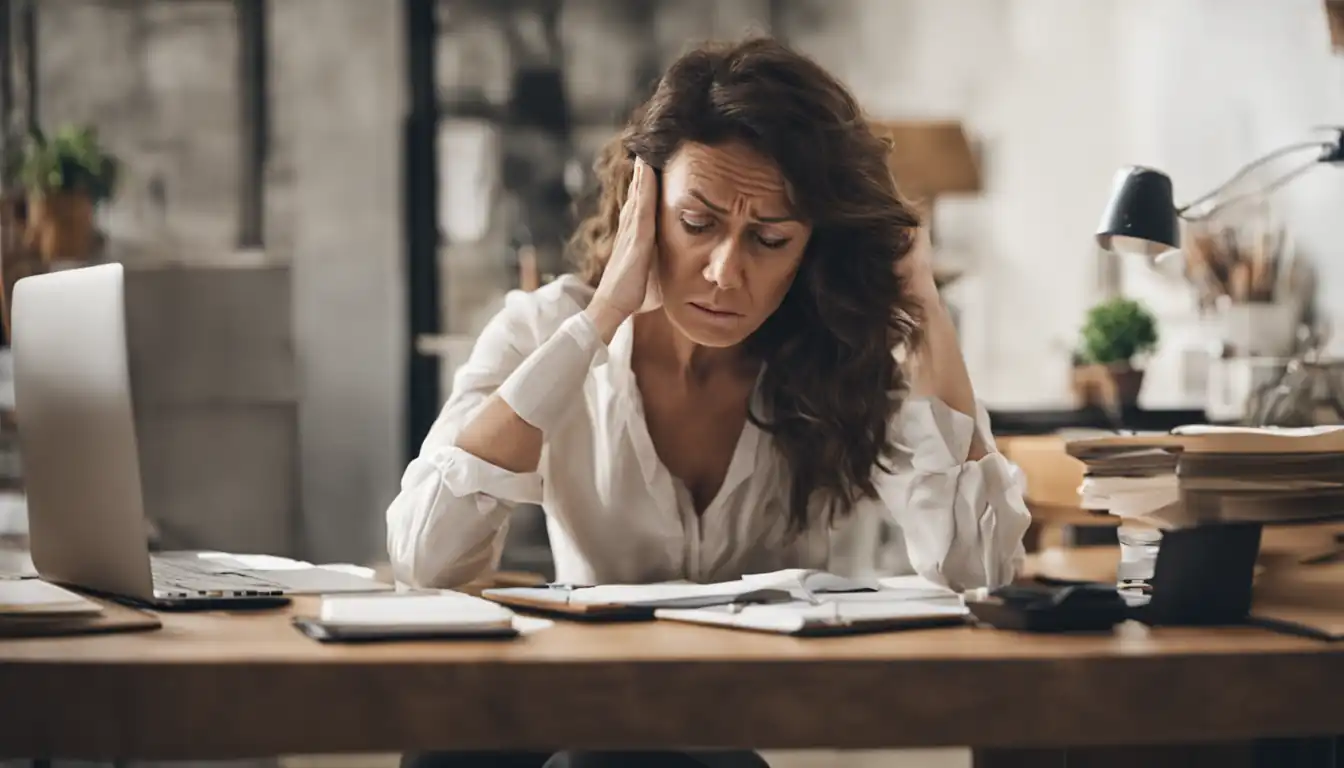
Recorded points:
(647, 198)
(653, 292)
(631, 193)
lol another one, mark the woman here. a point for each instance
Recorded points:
(720, 384)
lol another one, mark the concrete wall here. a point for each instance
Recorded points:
(211, 338)
(340, 70)
(159, 82)
(1057, 93)
(269, 383)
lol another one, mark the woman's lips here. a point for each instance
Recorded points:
(716, 312)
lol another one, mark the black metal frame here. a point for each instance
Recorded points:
(420, 207)
(18, 73)
(254, 119)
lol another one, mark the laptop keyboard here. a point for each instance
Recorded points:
(175, 579)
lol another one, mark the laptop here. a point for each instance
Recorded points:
(76, 422)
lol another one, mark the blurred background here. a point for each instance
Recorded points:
(320, 202)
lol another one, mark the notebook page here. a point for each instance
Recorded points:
(795, 616)
(654, 594)
(915, 587)
(804, 614)
(811, 580)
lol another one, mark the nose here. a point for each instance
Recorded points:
(725, 265)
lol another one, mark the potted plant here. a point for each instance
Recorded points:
(64, 175)
(1116, 333)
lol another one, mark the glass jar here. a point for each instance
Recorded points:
(1138, 555)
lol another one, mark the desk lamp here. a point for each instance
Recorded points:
(1203, 573)
(1141, 218)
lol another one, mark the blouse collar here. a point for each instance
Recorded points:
(617, 364)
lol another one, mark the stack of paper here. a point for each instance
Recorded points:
(1204, 474)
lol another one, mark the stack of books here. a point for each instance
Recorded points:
(1205, 475)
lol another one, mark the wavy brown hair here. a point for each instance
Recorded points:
(831, 384)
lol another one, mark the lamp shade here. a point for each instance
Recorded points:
(1140, 217)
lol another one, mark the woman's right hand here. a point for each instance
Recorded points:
(628, 285)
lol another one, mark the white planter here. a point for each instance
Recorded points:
(1260, 330)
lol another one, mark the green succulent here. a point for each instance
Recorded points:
(1117, 330)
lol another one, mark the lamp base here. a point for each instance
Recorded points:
(1203, 576)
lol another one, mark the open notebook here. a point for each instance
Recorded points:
(784, 588)
(833, 614)
(410, 616)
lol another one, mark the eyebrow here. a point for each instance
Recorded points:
(724, 211)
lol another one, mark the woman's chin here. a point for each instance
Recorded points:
(710, 329)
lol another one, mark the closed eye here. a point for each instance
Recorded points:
(773, 243)
(696, 226)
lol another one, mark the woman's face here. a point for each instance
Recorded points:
(729, 244)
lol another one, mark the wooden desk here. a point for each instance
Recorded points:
(212, 686)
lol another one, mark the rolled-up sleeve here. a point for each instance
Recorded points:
(962, 521)
(448, 522)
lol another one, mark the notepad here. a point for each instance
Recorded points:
(407, 616)
(24, 597)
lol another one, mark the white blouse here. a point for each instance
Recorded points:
(614, 512)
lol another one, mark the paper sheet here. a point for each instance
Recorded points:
(29, 596)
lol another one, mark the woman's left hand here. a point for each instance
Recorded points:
(937, 368)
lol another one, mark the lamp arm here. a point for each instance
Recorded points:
(1326, 147)
(1265, 190)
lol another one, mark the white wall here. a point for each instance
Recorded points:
(1035, 82)
(1210, 85)
(1062, 93)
